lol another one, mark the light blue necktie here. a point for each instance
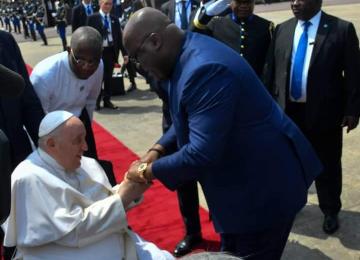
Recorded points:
(299, 63)
(88, 10)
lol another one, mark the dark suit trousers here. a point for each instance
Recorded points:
(130, 67)
(109, 59)
(90, 140)
(265, 245)
(189, 206)
(328, 146)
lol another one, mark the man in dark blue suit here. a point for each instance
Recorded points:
(17, 112)
(253, 163)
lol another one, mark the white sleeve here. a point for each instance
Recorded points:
(99, 220)
(95, 90)
(43, 91)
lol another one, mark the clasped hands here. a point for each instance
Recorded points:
(140, 170)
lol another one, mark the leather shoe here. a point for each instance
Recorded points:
(132, 87)
(331, 224)
(187, 244)
(109, 104)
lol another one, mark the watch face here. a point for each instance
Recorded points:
(142, 167)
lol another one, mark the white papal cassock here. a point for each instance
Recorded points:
(61, 215)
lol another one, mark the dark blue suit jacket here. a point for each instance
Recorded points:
(253, 163)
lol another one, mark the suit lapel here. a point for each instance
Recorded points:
(288, 44)
(172, 7)
(321, 35)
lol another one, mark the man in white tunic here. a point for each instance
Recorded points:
(63, 206)
(72, 80)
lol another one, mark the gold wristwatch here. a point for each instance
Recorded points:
(142, 169)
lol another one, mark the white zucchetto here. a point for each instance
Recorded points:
(53, 120)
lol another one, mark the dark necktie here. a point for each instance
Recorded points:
(183, 16)
(299, 63)
(88, 10)
(106, 23)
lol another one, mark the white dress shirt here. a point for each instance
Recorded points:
(312, 31)
(58, 88)
(107, 41)
(178, 9)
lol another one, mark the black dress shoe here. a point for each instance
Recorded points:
(331, 224)
(187, 244)
(132, 87)
(97, 107)
(109, 104)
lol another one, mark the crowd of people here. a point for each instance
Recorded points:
(27, 18)
(252, 111)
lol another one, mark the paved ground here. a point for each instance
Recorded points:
(137, 124)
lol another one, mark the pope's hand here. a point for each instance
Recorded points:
(130, 191)
(133, 173)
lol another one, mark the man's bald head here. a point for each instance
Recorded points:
(151, 38)
(143, 22)
(86, 50)
(88, 38)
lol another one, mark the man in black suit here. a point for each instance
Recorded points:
(12, 85)
(80, 14)
(16, 112)
(248, 34)
(109, 27)
(180, 12)
(313, 72)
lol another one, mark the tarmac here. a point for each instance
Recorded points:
(137, 123)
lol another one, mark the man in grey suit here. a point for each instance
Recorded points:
(180, 12)
(313, 72)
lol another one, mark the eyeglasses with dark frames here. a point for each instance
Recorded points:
(134, 57)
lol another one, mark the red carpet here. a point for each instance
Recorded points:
(158, 218)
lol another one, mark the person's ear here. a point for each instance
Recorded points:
(50, 142)
(156, 41)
